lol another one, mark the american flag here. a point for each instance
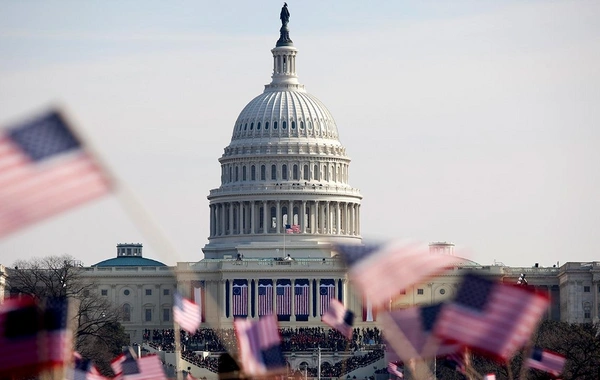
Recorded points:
(491, 317)
(83, 369)
(20, 328)
(265, 299)
(186, 313)
(301, 298)
(382, 271)
(259, 345)
(240, 299)
(44, 170)
(393, 370)
(284, 299)
(417, 323)
(127, 367)
(57, 337)
(292, 229)
(547, 361)
(339, 318)
(326, 293)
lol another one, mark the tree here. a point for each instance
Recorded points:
(98, 333)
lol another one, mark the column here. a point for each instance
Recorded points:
(358, 218)
(352, 219)
(230, 218)
(313, 217)
(346, 214)
(303, 222)
(240, 215)
(338, 221)
(222, 222)
(278, 217)
(291, 213)
(252, 217)
(210, 212)
(265, 227)
(328, 228)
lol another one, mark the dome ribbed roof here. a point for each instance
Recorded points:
(285, 114)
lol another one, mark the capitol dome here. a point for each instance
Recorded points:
(284, 172)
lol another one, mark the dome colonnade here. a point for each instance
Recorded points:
(284, 170)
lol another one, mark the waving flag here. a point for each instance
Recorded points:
(265, 297)
(339, 318)
(44, 170)
(186, 313)
(240, 298)
(301, 304)
(381, 271)
(284, 297)
(259, 345)
(326, 294)
(417, 324)
(83, 369)
(547, 361)
(127, 367)
(491, 317)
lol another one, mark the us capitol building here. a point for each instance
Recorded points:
(284, 198)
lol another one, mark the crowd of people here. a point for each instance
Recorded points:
(293, 340)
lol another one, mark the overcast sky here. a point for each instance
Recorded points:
(473, 122)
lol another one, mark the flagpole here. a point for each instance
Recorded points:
(178, 373)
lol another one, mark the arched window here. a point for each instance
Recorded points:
(230, 174)
(263, 173)
(284, 126)
(274, 125)
(245, 126)
(284, 173)
(295, 172)
(244, 173)
(253, 173)
(273, 172)
(266, 125)
(237, 174)
(251, 126)
(293, 125)
(306, 173)
(126, 313)
(325, 176)
(316, 172)
(258, 126)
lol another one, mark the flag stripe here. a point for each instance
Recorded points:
(326, 293)
(384, 271)
(505, 324)
(186, 313)
(301, 302)
(240, 301)
(283, 300)
(43, 171)
(265, 301)
(547, 361)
